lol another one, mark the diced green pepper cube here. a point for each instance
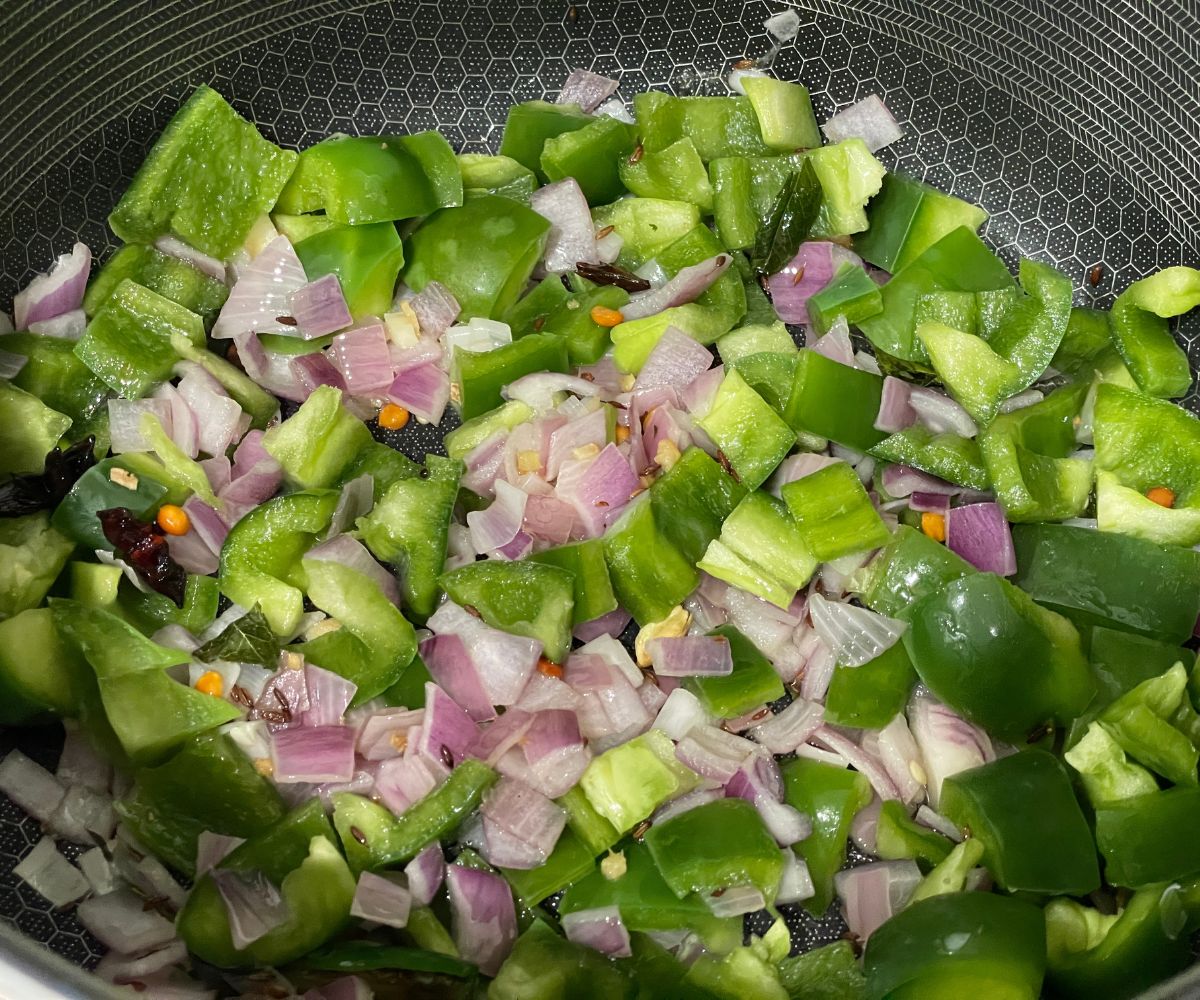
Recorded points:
(366, 260)
(753, 681)
(484, 374)
(676, 173)
(529, 125)
(483, 174)
(751, 436)
(851, 293)
(784, 112)
(591, 156)
(834, 514)
(170, 277)
(627, 783)
(584, 560)
(318, 441)
(835, 401)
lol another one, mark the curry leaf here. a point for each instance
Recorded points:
(792, 218)
(247, 640)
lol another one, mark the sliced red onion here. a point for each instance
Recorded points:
(218, 417)
(425, 874)
(930, 503)
(483, 916)
(58, 291)
(172, 246)
(900, 755)
(382, 899)
(677, 360)
(854, 635)
(362, 358)
(485, 462)
(654, 696)
(261, 295)
(319, 308)
(68, 326)
(212, 849)
(500, 736)
(119, 920)
(503, 662)
(312, 371)
(697, 397)
(835, 345)
(611, 624)
(543, 693)
(447, 731)
(527, 816)
(615, 655)
(864, 828)
(711, 757)
(785, 731)
(736, 901)
(384, 733)
(980, 533)
(436, 309)
(939, 413)
(872, 893)
(667, 427)
(450, 664)
(550, 731)
(797, 467)
(316, 754)
(277, 373)
(948, 743)
(551, 520)
(539, 388)
(125, 421)
(125, 969)
(615, 108)
(610, 705)
(206, 523)
(11, 364)
(329, 696)
(181, 428)
(604, 373)
(572, 237)
(680, 714)
(689, 284)
(860, 760)
(869, 120)
(587, 89)
(702, 796)
(253, 904)
(903, 481)
(51, 875)
(691, 656)
(796, 884)
(557, 772)
(577, 435)
(939, 823)
(403, 781)
(351, 553)
(807, 273)
(895, 411)
(600, 929)
(287, 690)
(601, 490)
(30, 786)
(499, 523)
(423, 390)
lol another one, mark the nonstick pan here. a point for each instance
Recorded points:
(1073, 122)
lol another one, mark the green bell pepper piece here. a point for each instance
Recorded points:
(384, 465)
(530, 124)
(29, 430)
(835, 401)
(534, 309)
(987, 650)
(691, 501)
(391, 840)
(569, 862)
(170, 277)
(1032, 329)
(850, 177)
(1149, 838)
(947, 455)
(646, 225)
(991, 309)
(718, 126)
(649, 573)
(545, 966)
(1141, 335)
(409, 689)
(772, 338)
(751, 436)
(1147, 442)
(771, 375)
(634, 339)
(593, 592)
(209, 785)
(907, 217)
(1118, 955)
(1088, 337)
(150, 713)
(128, 343)
(484, 174)
(734, 213)
(715, 846)
(1138, 722)
(95, 491)
(366, 956)
(149, 612)
(1023, 811)
(961, 944)
(1157, 592)
(207, 178)
(1125, 510)
(184, 475)
(741, 973)
(753, 681)
(591, 155)
(957, 310)
(831, 796)
(32, 554)
(976, 375)
(318, 441)
(958, 261)
(660, 975)
(409, 528)
(851, 293)
(870, 696)
(62, 382)
(586, 340)
(627, 783)
(524, 598)
(38, 670)
(364, 179)
(1106, 773)
(484, 252)
(830, 972)
(472, 433)
(784, 112)
(898, 837)
(261, 557)
(911, 566)
(595, 832)
(484, 374)
(834, 515)
(366, 259)
(675, 173)
(950, 874)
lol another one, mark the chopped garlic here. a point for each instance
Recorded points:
(528, 462)
(123, 477)
(402, 326)
(918, 772)
(590, 450)
(674, 625)
(667, 454)
(264, 766)
(627, 382)
(323, 627)
(613, 865)
(293, 661)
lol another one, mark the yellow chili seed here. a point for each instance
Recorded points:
(603, 316)
(392, 417)
(173, 520)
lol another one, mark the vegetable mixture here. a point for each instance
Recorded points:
(682, 609)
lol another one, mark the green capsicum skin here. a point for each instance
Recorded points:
(297, 854)
(833, 513)
(987, 650)
(525, 598)
(316, 443)
(911, 566)
(38, 670)
(626, 783)
(590, 155)
(647, 225)
(692, 500)
(752, 682)
(170, 277)
(59, 379)
(835, 401)
(1137, 951)
(899, 837)
(594, 831)
(33, 553)
(957, 310)
(1157, 592)
(770, 374)
(530, 124)
(850, 293)
(483, 251)
(483, 375)
(209, 785)
(584, 560)
(350, 957)
(572, 322)
(959, 944)
(545, 966)
(359, 180)
(1088, 336)
(830, 972)
(869, 696)
(391, 840)
(1024, 812)
(366, 260)
(948, 456)
(1033, 328)
(1139, 721)
(699, 244)
(718, 126)
(832, 796)
(569, 862)
(1147, 442)
(151, 611)
(484, 174)
(1141, 335)
(714, 846)
(383, 464)
(649, 574)
(675, 172)
(1150, 838)
(735, 216)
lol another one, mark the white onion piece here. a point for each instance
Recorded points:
(936, 821)
(869, 120)
(262, 294)
(572, 237)
(67, 326)
(83, 815)
(172, 246)
(382, 898)
(680, 713)
(80, 764)
(120, 921)
(784, 732)
(30, 786)
(736, 901)
(854, 635)
(948, 743)
(98, 870)
(126, 425)
(539, 389)
(688, 284)
(902, 757)
(121, 969)
(587, 89)
(795, 884)
(939, 413)
(51, 875)
(614, 107)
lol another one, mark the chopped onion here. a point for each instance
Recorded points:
(864, 828)
(68, 326)
(384, 734)
(217, 417)
(319, 308)
(609, 246)
(860, 760)
(539, 388)
(120, 921)
(680, 713)
(948, 743)
(483, 916)
(895, 410)
(854, 635)
(423, 390)
(701, 796)
(58, 291)
(403, 781)
(500, 736)
(447, 730)
(795, 884)
(425, 874)
(436, 309)
(872, 893)
(611, 624)
(383, 899)
(348, 551)
(30, 786)
(572, 236)
(813, 267)
(126, 426)
(253, 904)
(587, 89)
(329, 696)
(869, 120)
(930, 503)
(316, 754)
(80, 764)
(614, 107)
(797, 467)
(356, 500)
(712, 753)
(529, 819)
(212, 849)
(676, 360)
(783, 732)
(697, 397)
(503, 661)
(936, 821)
(261, 295)
(939, 413)
(691, 656)
(980, 533)
(478, 335)
(499, 523)
(610, 709)
(83, 815)
(576, 436)
(451, 666)
(51, 875)
(600, 489)
(901, 756)
(903, 481)
(736, 901)
(686, 286)
(125, 969)
(835, 345)
(362, 358)
(172, 246)
(485, 463)
(600, 929)
(551, 520)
